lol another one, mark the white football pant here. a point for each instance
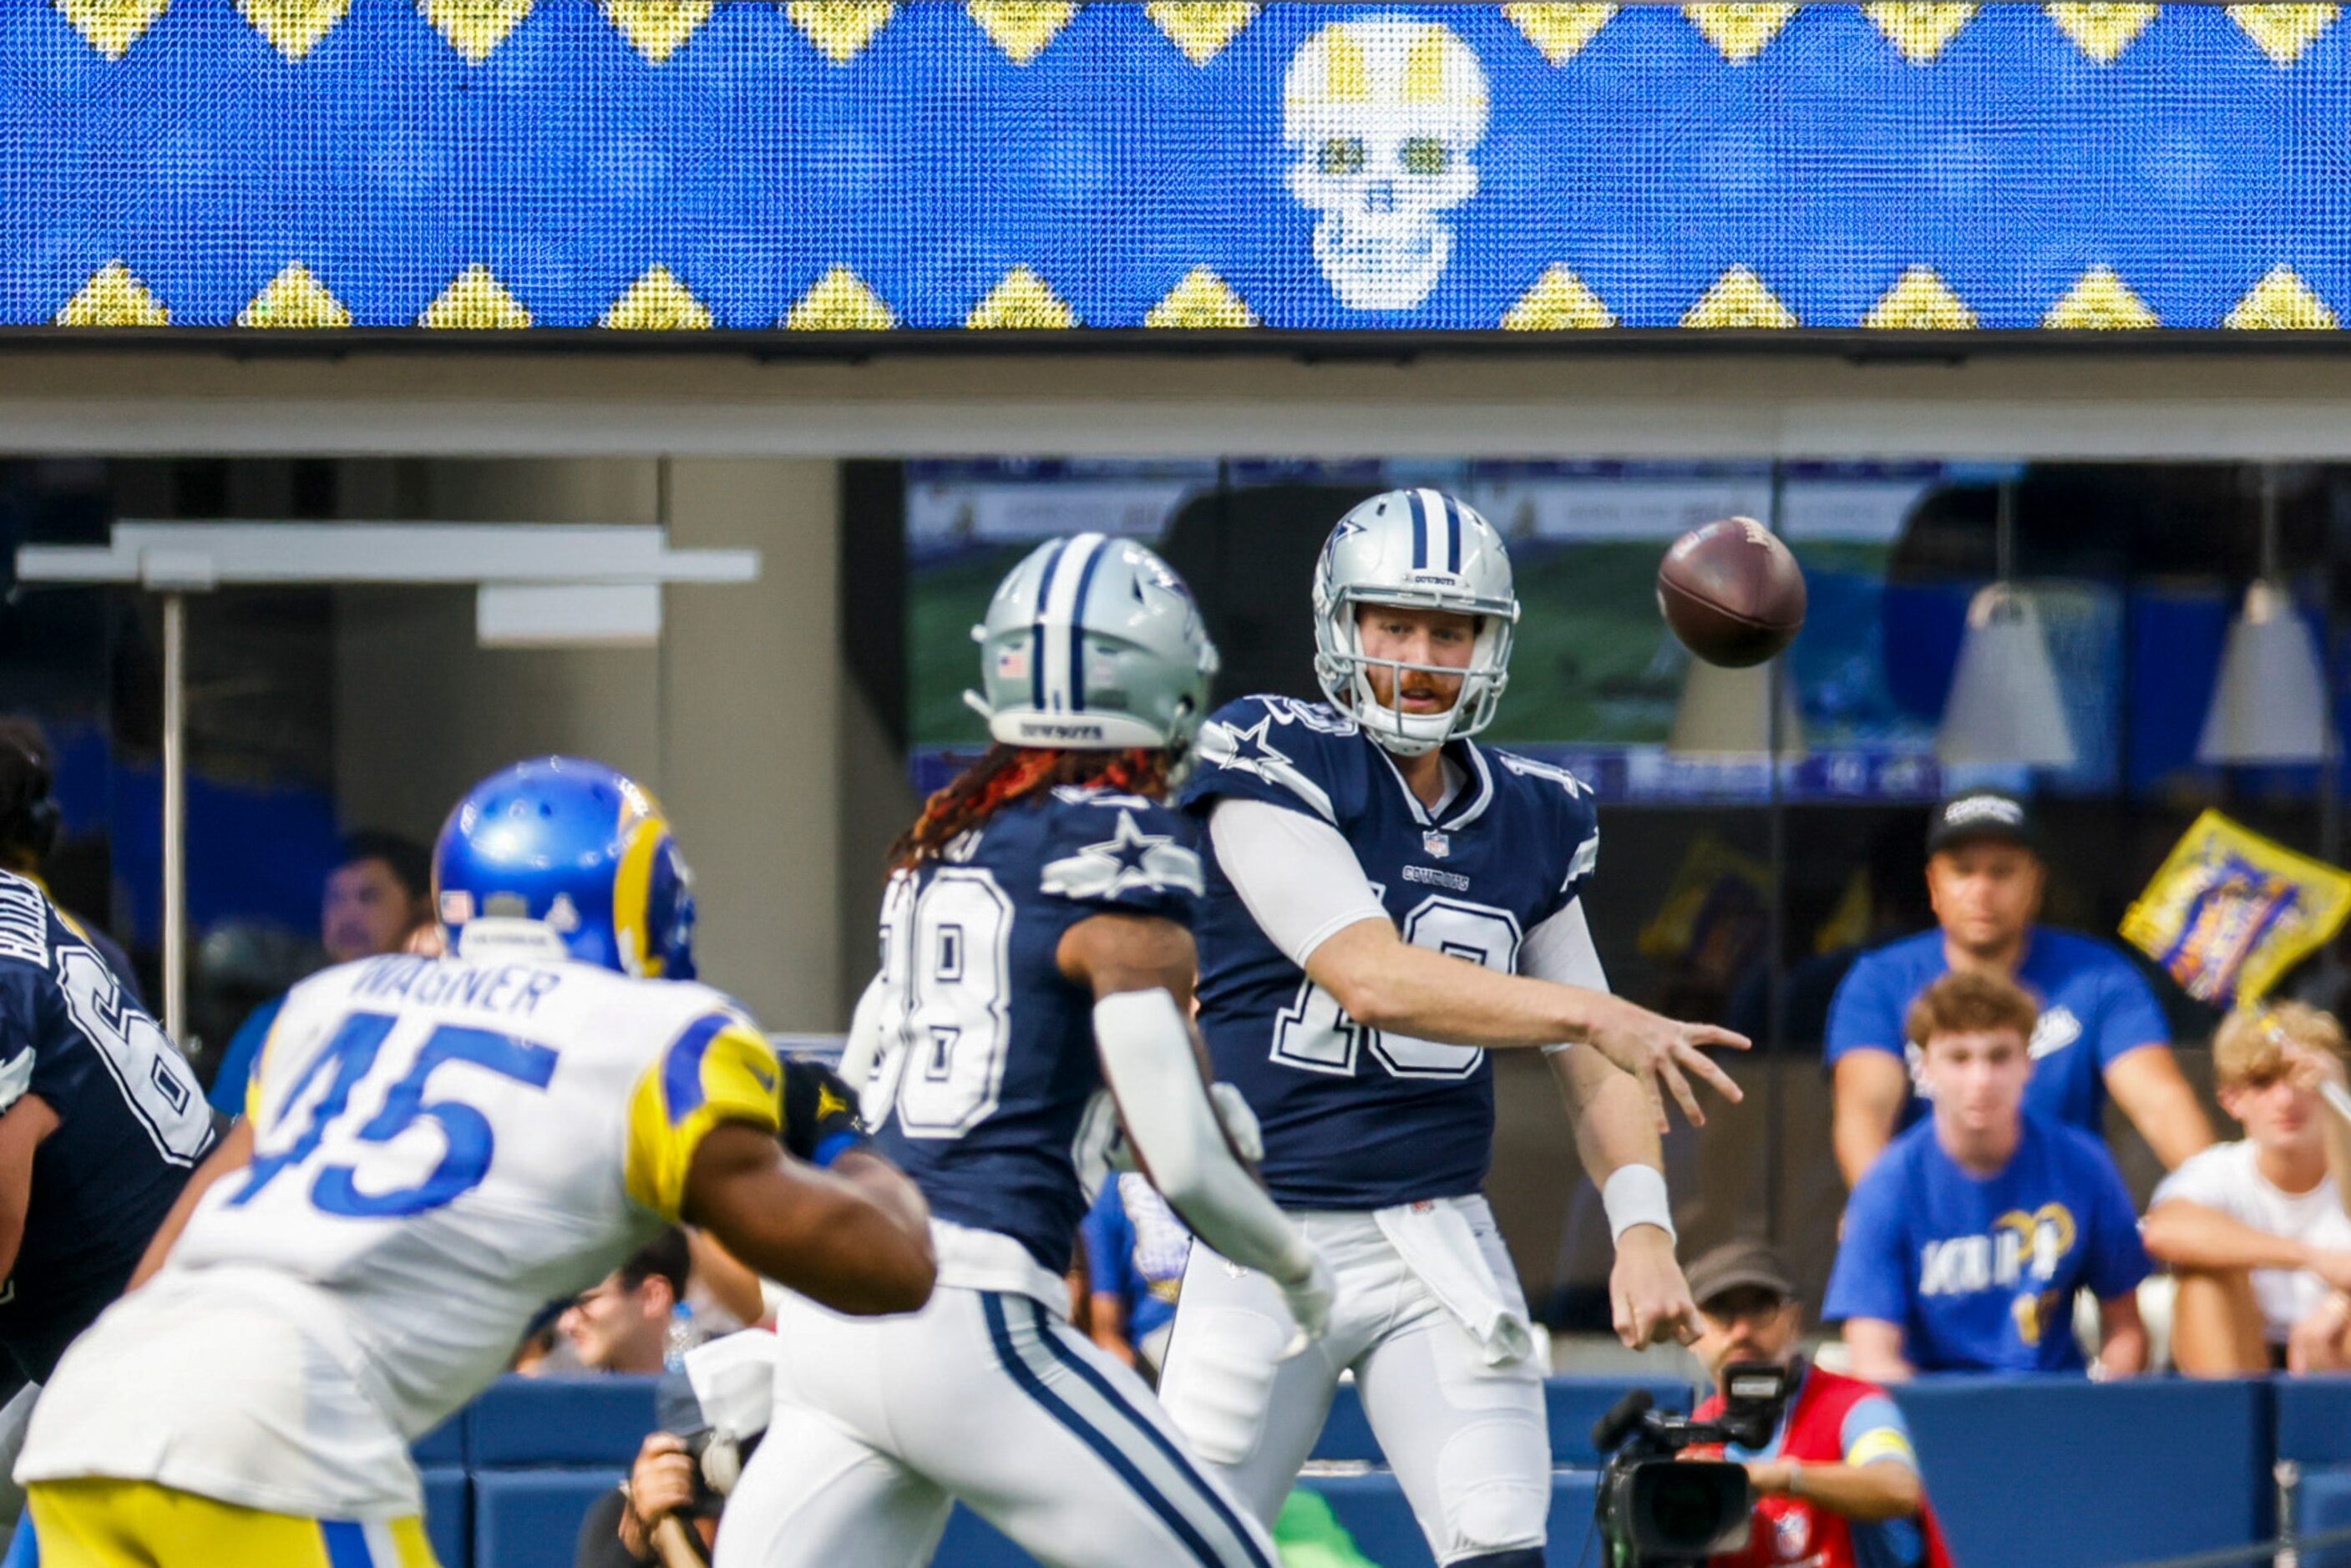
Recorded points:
(1469, 1442)
(986, 1396)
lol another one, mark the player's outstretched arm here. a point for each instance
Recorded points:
(231, 1155)
(1615, 1134)
(1388, 983)
(855, 1237)
(1138, 967)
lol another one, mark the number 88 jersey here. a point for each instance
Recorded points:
(1355, 1118)
(989, 1064)
(441, 1147)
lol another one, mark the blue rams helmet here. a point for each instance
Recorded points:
(577, 850)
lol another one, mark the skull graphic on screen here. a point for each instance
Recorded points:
(1380, 115)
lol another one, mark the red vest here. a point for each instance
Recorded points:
(1789, 1531)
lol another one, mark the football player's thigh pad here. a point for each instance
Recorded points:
(1470, 1442)
(1224, 1358)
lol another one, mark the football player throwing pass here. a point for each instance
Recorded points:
(1386, 902)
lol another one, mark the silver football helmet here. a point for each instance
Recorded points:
(1420, 549)
(1093, 644)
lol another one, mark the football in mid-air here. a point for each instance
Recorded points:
(1732, 592)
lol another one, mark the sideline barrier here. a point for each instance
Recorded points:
(2026, 1472)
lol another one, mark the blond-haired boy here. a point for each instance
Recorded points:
(2257, 1231)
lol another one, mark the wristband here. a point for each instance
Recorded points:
(839, 1144)
(1636, 1195)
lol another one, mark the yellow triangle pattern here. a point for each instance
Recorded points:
(841, 303)
(657, 29)
(1738, 299)
(111, 26)
(476, 301)
(1558, 302)
(475, 27)
(1920, 301)
(1201, 29)
(1202, 300)
(2282, 32)
(1021, 302)
(2282, 302)
(112, 297)
(2101, 30)
(1920, 29)
(2100, 302)
(657, 302)
(1559, 31)
(1740, 31)
(294, 298)
(1021, 28)
(294, 26)
(841, 28)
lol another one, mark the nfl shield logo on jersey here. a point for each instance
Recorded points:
(1438, 845)
(1793, 1532)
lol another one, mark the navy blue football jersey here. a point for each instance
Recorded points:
(131, 1124)
(1354, 1117)
(991, 1064)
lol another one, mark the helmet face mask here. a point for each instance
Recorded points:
(1093, 644)
(1413, 549)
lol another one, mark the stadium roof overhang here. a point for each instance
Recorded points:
(1678, 402)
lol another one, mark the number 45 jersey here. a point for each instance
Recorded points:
(441, 1147)
(1355, 1118)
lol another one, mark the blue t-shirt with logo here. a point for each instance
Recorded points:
(2095, 1007)
(1980, 1273)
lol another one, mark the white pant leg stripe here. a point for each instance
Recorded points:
(1186, 1471)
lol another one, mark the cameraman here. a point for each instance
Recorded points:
(1838, 1484)
(666, 1479)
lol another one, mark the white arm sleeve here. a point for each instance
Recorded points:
(863, 1052)
(1560, 950)
(1146, 1055)
(1298, 875)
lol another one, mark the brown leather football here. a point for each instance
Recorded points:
(1732, 592)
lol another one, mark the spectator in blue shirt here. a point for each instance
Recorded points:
(1965, 1244)
(2101, 1031)
(1136, 1251)
(377, 899)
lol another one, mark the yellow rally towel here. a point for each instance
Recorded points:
(2231, 911)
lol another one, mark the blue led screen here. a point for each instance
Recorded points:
(856, 165)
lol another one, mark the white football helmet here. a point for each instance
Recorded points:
(1093, 644)
(1420, 549)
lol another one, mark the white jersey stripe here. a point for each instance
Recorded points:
(1062, 638)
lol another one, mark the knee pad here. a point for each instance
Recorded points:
(1218, 1392)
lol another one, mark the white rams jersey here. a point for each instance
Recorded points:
(441, 1147)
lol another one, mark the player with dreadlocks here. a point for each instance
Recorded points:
(1034, 995)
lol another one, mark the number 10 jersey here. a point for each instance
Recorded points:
(441, 1147)
(1355, 1118)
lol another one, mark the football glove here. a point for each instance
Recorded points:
(820, 1117)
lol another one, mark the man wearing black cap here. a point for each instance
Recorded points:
(2101, 1031)
(1838, 1484)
